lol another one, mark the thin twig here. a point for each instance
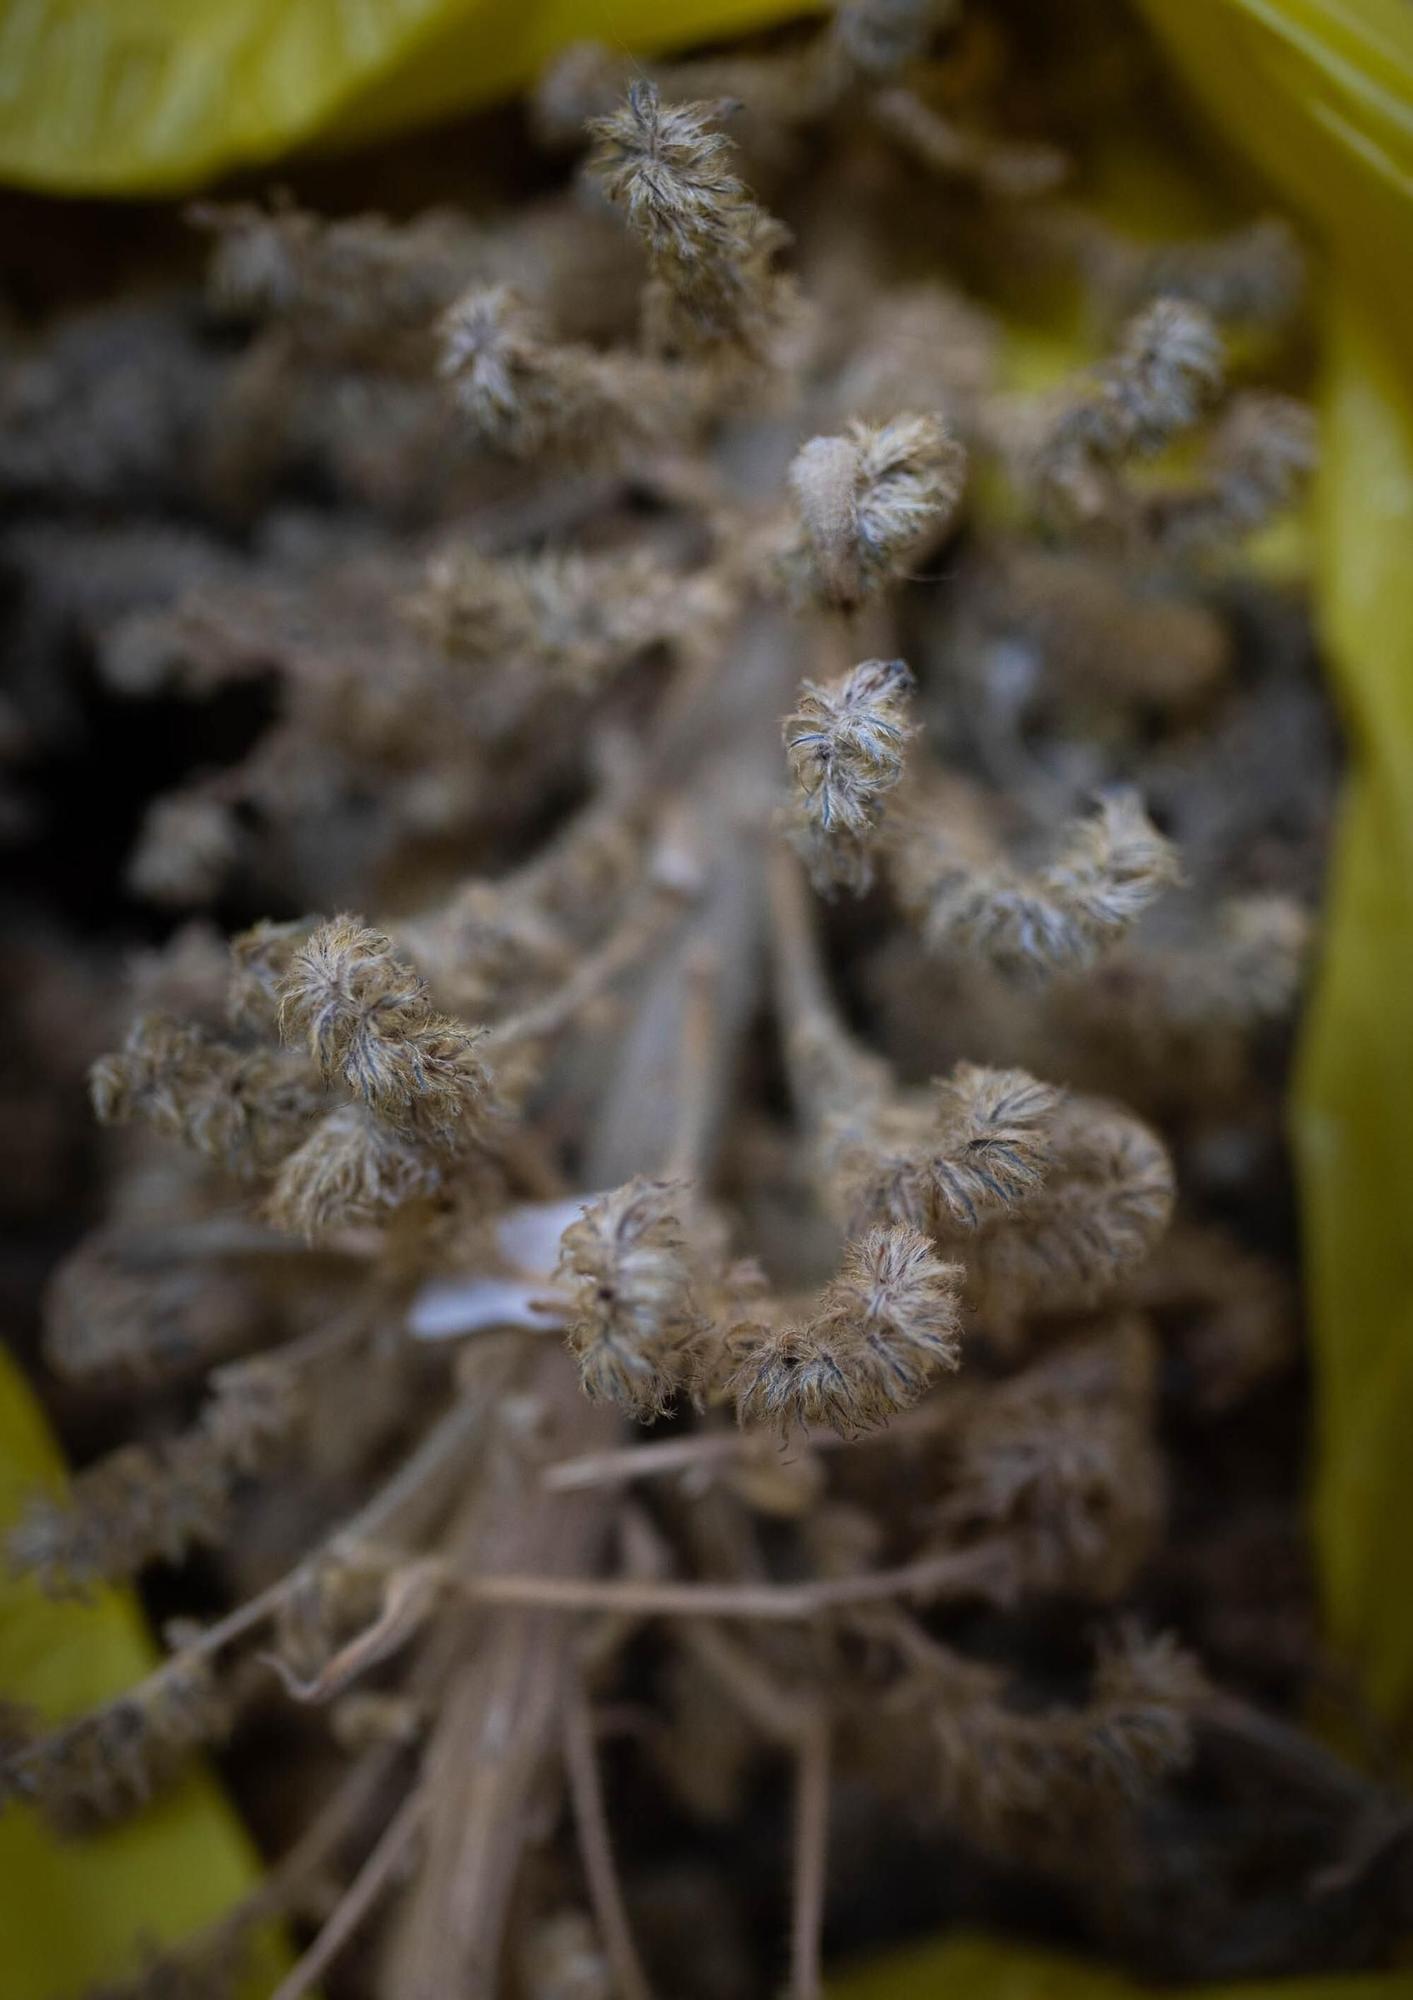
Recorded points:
(805, 999)
(696, 1073)
(627, 1463)
(358, 1900)
(958, 1574)
(812, 1766)
(598, 971)
(595, 1843)
(775, 1711)
(818, 1045)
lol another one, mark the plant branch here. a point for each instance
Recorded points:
(595, 1844)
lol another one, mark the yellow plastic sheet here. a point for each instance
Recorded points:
(72, 1912)
(148, 96)
(977, 1968)
(1320, 94)
(155, 96)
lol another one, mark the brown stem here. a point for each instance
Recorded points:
(697, 1075)
(821, 1054)
(498, 1685)
(627, 1463)
(358, 1900)
(933, 1577)
(629, 942)
(812, 1766)
(595, 1844)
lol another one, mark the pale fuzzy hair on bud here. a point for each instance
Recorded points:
(1058, 1469)
(351, 1170)
(1169, 366)
(260, 958)
(880, 1332)
(844, 743)
(866, 500)
(1264, 953)
(941, 1163)
(366, 1019)
(1167, 370)
(110, 1762)
(581, 617)
(140, 1504)
(710, 246)
(523, 394)
(350, 287)
(633, 1320)
(1258, 457)
(242, 1109)
(1106, 1199)
(1044, 1787)
(966, 899)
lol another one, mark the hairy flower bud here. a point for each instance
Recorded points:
(882, 1328)
(845, 747)
(866, 500)
(628, 1267)
(367, 1021)
(710, 246)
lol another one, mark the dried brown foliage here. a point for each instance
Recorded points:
(513, 545)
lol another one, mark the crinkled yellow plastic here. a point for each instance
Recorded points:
(71, 1912)
(154, 96)
(976, 1968)
(145, 96)
(1320, 94)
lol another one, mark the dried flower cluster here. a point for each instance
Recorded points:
(866, 501)
(508, 550)
(845, 746)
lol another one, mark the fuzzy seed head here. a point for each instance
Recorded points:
(879, 37)
(366, 1019)
(881, 1330)
(242, 1109)
(666, 167)
(865, 501)
(1263, 451)
(845, 744)
(1169, 366)
(976, 1147)
(351, 1170)
(1110, 869)
(260, 958)
(710, 246)
(494, 355)
(628, 1266)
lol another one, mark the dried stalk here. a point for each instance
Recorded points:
(596, 1844)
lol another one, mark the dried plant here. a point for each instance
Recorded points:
(879, 1332)
(865, 502)
(517, 544)
(711, 249)
(845, 746)
(1109, 869)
